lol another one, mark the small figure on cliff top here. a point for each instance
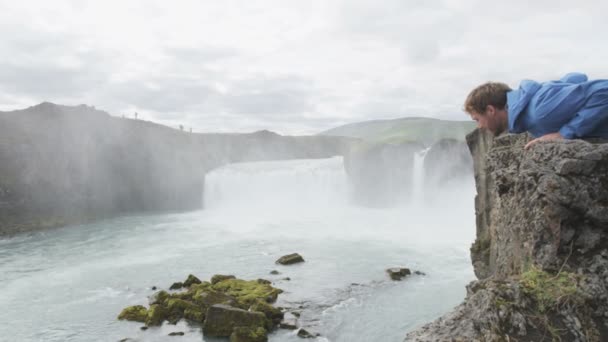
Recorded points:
(571, 108)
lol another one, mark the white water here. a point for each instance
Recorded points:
(418, 180)
(69, 284)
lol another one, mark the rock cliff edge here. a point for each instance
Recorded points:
(541, 253)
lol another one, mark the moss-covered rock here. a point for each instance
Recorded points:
(245, 334)
(136, 313)
(191, 280)
(207, 298)
(156, 315)
(158, 297)
(176, 286)
(222, 319)
(176, 310)
(275, 315)
(248, 292)
(220, 277)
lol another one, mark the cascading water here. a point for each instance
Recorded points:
(418, 177)
(280, 185)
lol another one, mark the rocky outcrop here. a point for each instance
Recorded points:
(63, 165)
(541, 252)
(228, 307)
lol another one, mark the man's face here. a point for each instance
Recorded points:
(492, 120)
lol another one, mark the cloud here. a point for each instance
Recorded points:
(290, 66)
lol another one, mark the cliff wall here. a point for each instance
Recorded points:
(541, 253)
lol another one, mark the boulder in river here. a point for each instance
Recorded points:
(176, 286)
(398, 273)
(246, 334)
(136, 313)
(222, 319)
(290, 259)
(191, 281)
(219, 277)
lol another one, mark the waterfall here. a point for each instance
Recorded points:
(418, 176)
(277, 185)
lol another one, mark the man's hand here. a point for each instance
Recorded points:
(546, 137)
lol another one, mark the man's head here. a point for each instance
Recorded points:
(487, 105)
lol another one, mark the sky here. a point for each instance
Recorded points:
(290, 66)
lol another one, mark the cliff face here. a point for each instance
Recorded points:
(61, 165)
(541, 252)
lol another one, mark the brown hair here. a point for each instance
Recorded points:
(487, 94)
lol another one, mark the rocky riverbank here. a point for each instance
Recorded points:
(541, 253)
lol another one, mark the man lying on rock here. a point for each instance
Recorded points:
(571, 108)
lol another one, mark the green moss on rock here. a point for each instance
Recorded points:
(245, 334)
(549, 291)
(191, 280)
(220, 277)
(136, 313)
(156, 315)
(248, 292)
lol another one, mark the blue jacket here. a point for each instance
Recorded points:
(572, 106)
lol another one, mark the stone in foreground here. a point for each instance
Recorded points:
(290, 259)
(220, 277)
(244, 334)
(398, 273)
(136, 313)
(222, 319)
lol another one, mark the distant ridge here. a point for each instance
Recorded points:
(425, 130)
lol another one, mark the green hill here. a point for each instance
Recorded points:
(425, 130)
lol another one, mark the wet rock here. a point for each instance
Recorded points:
(275, 272)
(136, 313)
(295, 313)
(245, 334)
(222, 319)
(419, 273)
(264, 281)
(220, 277)
(143, 328)
(177, 333)
(210, 297)
(191, 281)
(303, 333)
(128, 339)
(290, 259)
(286, 279)
(289, 324)
(176, 286)
(153, 288)
(398, 273)
(158, 297)
(177, 309)
(156, 315)
(273, 314)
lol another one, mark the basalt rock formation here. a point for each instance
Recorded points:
(62, 165)
(541, 253)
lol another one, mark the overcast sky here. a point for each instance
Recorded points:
(294, 67)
